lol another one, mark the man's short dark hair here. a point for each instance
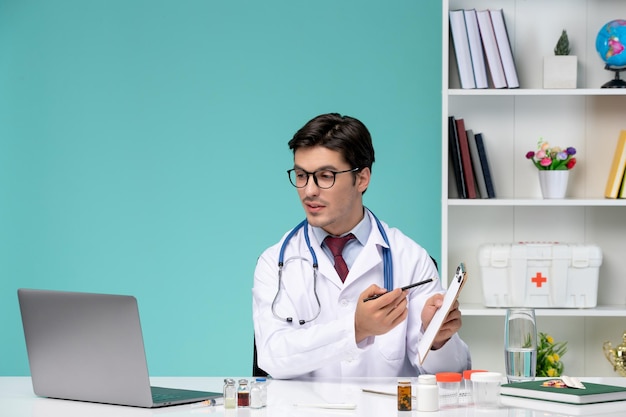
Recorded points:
(343, 134)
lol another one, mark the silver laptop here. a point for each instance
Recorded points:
(89, 347)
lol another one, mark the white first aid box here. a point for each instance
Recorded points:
(540, 275)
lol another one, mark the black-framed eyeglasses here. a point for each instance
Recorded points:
(323, 178)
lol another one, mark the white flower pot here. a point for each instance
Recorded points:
(560, 71)
(553, 183)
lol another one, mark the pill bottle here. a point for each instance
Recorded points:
(243, 394)
(449, 384)
(405, 397)
(230, 393)
(465, 396)
(263, 384)
(486, 389)
(427, 393)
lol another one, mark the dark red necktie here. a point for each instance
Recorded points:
(336, 245)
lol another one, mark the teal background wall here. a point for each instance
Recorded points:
(143, 149)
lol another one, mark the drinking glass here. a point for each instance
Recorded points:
(520, 344)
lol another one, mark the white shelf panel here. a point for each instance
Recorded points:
(537, 92)
(533, 202)
(600, 311)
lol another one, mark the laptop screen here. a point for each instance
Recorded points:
(87, 347)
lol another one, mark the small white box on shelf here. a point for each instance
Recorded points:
(560, 71)
(540, 275)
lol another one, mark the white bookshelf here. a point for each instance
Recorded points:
(512, 120)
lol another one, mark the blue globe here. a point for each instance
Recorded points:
(611, 41)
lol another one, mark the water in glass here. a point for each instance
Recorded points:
(521, 364)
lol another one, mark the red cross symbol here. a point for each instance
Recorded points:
(539, 279)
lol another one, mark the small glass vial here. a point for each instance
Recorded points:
(404, 395)
(243, 394)
(230, 393)
(263, 384)
(255, 395)
(427, 393)
(449, 384)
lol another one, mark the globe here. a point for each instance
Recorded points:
(610, 45)
(611, 42)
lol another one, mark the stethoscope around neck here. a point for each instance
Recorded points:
(387, 266)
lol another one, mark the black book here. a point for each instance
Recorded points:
(455, 157)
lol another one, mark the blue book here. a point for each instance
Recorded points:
(477, 166)
(484, 162)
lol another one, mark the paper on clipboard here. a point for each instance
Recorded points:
(454, 289)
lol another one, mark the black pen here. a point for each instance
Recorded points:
(426, 281)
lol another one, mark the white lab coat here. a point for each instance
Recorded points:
(326, 346)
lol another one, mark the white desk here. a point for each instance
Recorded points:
(17, 400)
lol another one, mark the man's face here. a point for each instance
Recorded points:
(339, 208)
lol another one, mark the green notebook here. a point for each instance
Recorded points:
(594, 393)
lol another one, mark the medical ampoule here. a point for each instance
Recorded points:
(256, 400)
(262, 381)
(230, 393)
(243, 394)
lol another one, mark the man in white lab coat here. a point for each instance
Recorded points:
(314, 324)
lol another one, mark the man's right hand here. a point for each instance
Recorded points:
(376, 317)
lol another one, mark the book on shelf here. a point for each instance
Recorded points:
(455, 157)
(466, 159)
(593, 393)
(504, 47)
(622, 190)
(484, 163)
(616, 172)
(460, 42)
(476, 164)
(490, 46)
(476, 49)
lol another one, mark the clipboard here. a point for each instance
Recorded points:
(426, 342)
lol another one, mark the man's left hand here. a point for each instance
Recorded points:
(451, 324)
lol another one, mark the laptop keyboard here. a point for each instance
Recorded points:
(164, 395)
